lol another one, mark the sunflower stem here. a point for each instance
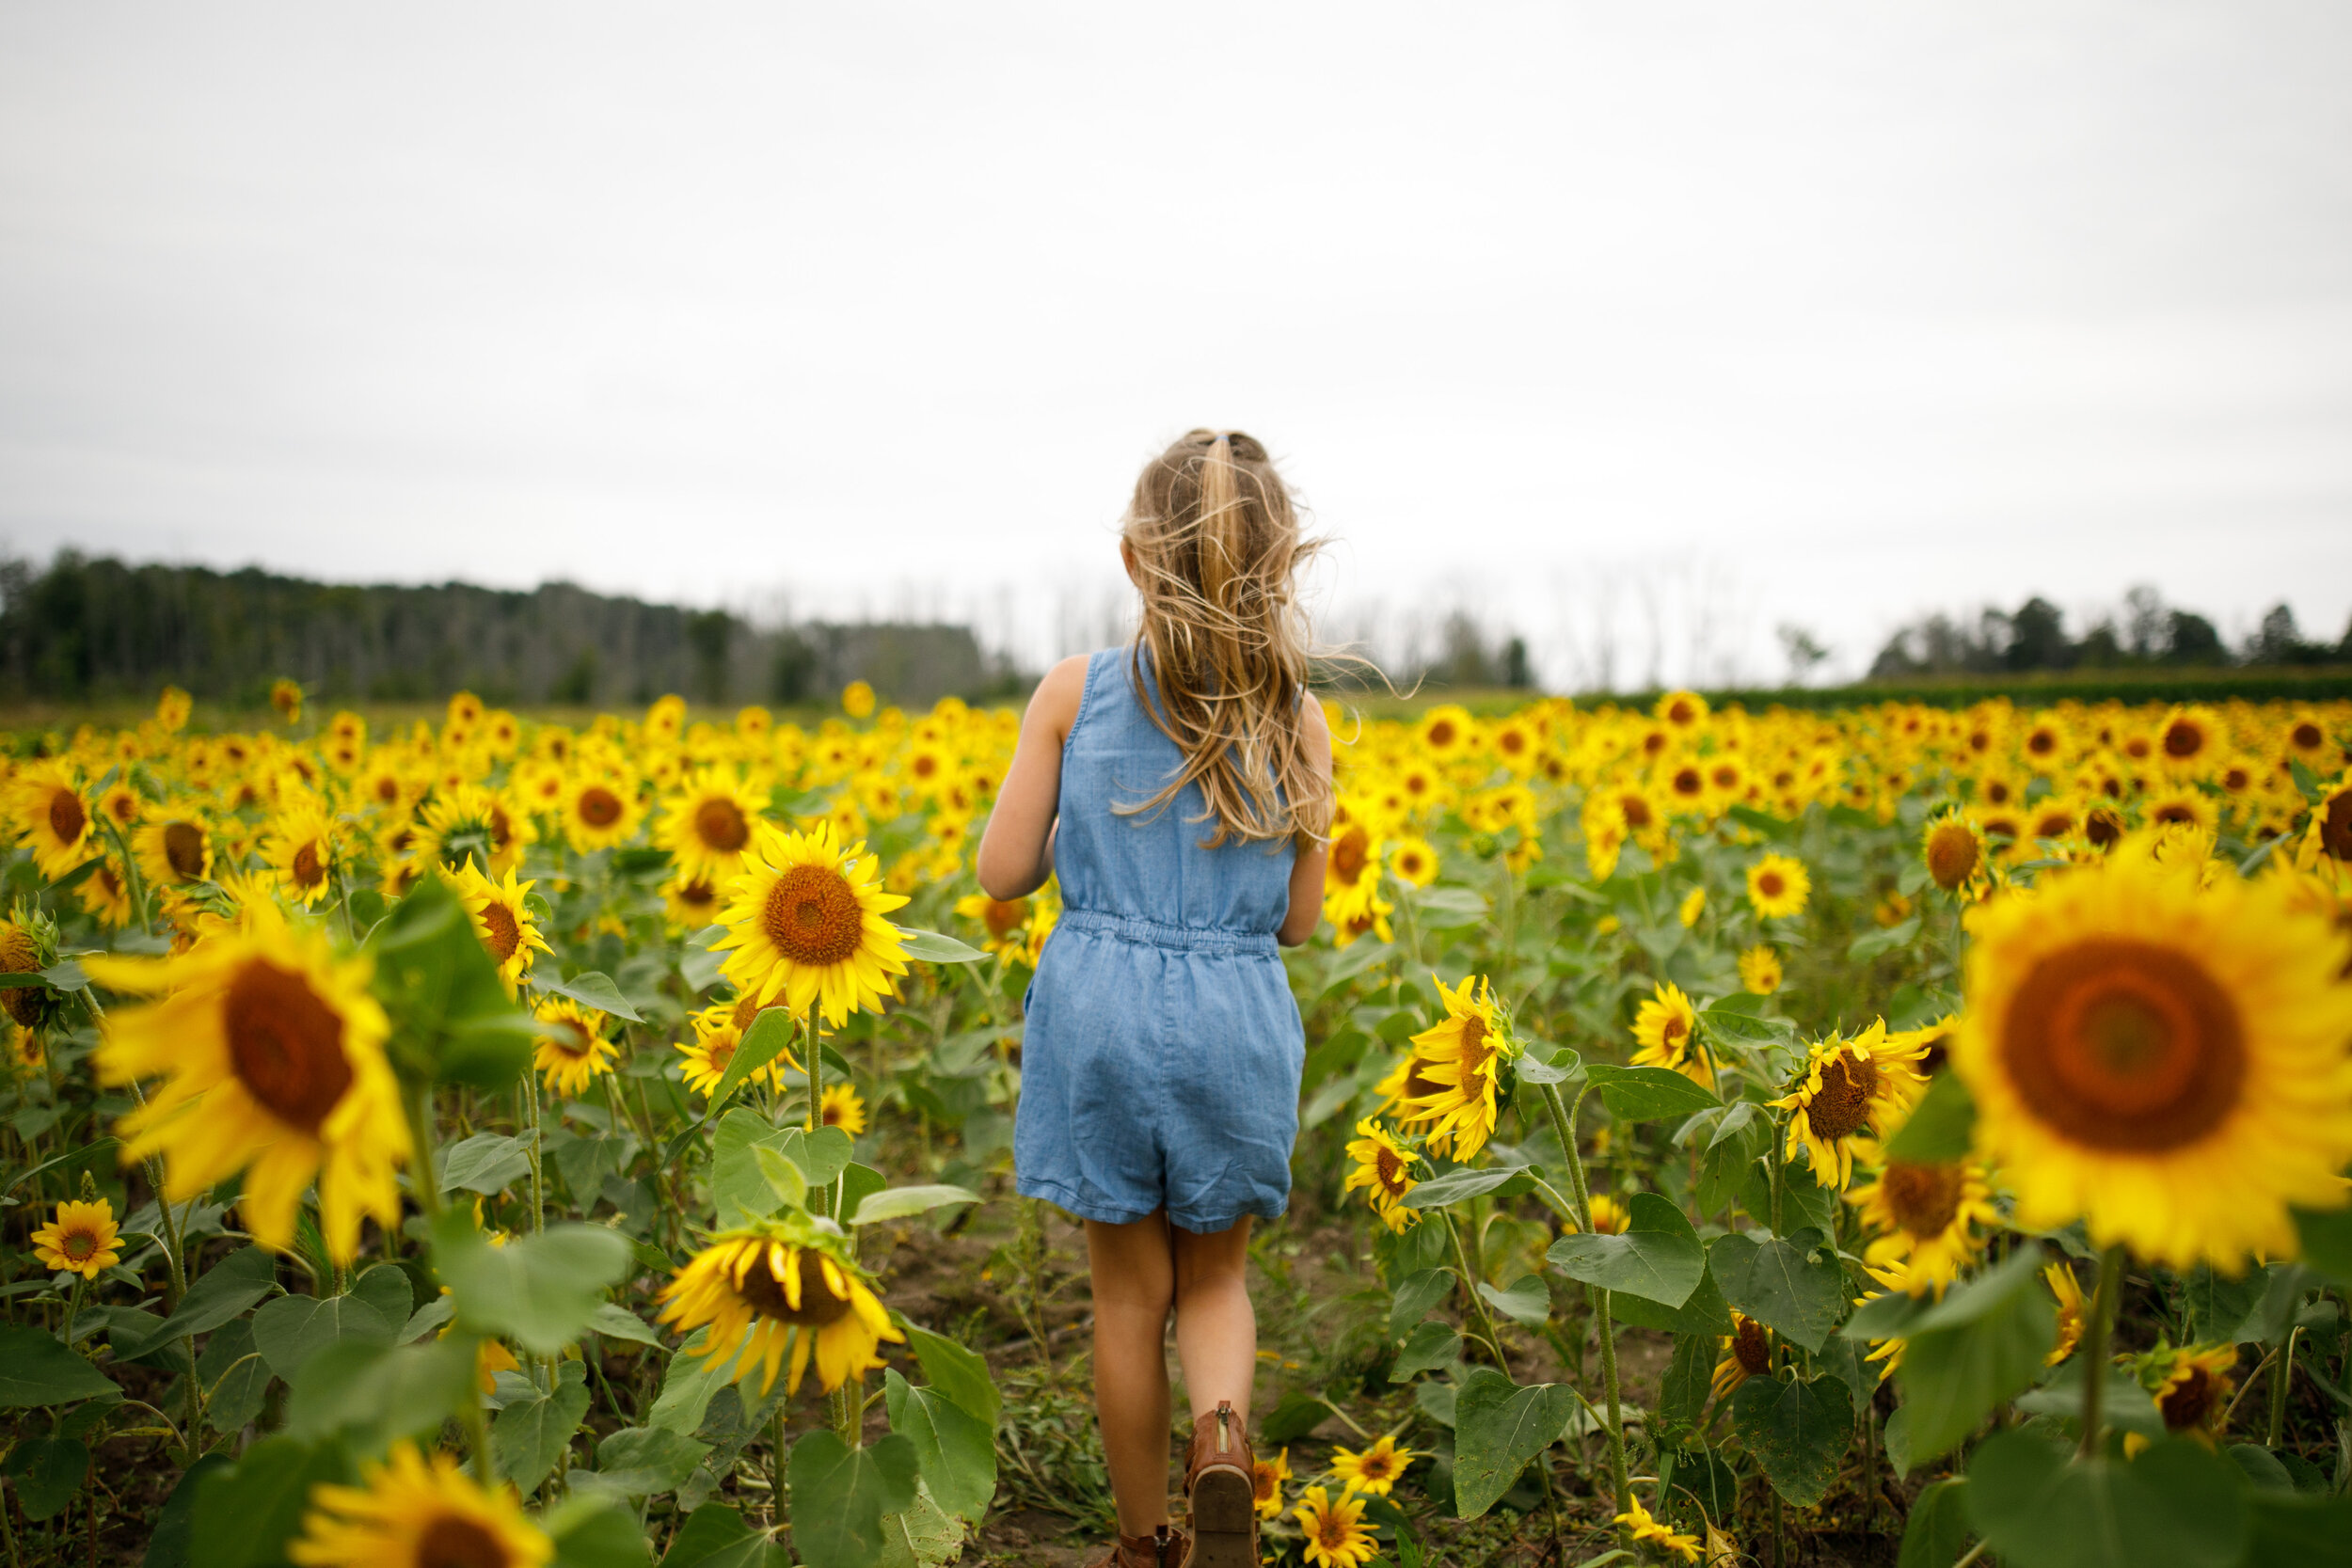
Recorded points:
(775, 1467)
(2094, 1347)
(538, 1186)
(2280, 1377)
(1469, 1283)
(1564, 1123)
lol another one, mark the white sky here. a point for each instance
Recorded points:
(1826, 313)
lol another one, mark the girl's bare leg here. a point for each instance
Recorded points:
(1217, 1328)
(1135, 1286)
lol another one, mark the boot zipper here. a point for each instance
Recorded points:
(1224, 1423)
(1159, 1545)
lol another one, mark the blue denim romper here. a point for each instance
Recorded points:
(1160, 1063)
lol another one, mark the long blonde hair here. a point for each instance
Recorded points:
(1216, 547)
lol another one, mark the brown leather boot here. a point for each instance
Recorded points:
(1169, 1548)
(1219, 1479)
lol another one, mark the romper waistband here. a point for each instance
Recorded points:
(1129, 927)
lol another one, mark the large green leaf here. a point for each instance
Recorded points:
(1452, 1186)
(235, 1378)
(244, 1515)
(715, 1536)
(1937, 1532)
(688, 1387)
(954, 1448)
(1498, 1428)
(840, 1493)
(1798, 1432)
(2327, 1238)
(1786, 1285)
(922, 1536)
(1647, 1093)
(744, 1186)
(167, 1547)
(450, 1014)
(1414, 1296)
(1683, 1391)
(372, 1395)
(1939, 1128)
(595, 1529)
(933, 949)
(486, 1163)
(36, 1370)
(959, 1375)
(529, 1436)
(639, 1461)
(46, 1472)
(222, 1291)
(1983, 1344)
(1527, 1302)
(1657, 1258)
(2176, 1506)
(540, 1291)
(897, 1203)
(591, 989)
(2298, 1530)
(291, 1329)
(1704, 1313)
(770, 1037)
(1429, 1346)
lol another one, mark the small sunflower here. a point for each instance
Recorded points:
(1266, 1477)
(173, 709)
(1610, 1217)
(1778, 885)
(690, 902)
(764, 1292)
(413, 1513)
(1337, 1536)
(599, 811)
(1662, 1538)
(2191, 1386)
(844, 1109)
(80, 1239)
(572, 1047)
(2070, 1312)
(711, 827)
(857, 700)
(1759, 970)
(1693, 905)
(300, 848)
(807, 924)
(2329, 834)
(503, 920)
(1383, 1172)
(1005, 920)
(2168, 1062)
(1374, 1470)
(1923, 1219)
(1954, 847)
(53, 816)
(1747, 1352)
(1414, 859)
(1665, 1026)
(1461, 1056)
(106, 894)
(283, 1046)
(286, 697)
(1850, 1088)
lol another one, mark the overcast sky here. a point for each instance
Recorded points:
(1576, 313)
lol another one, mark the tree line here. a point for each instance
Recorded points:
(2147, 633)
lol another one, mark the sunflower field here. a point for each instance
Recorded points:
(1893, 1135)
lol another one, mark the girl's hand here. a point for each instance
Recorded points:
(1017, 850)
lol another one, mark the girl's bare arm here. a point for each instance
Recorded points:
(1017, 850)
(1306, 910)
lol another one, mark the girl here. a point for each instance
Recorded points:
(1180, 786)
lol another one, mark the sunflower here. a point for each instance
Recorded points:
(1610, 1217)
(572, 1047)
(1923, 1218)
(415, 1513)
(857, 700)
(2060, 1278)
(286, 697)
(284, 1047)
(1850, 1088)
(120, 804)
(1447, 730)
(1352, 868)
(1954, 847)
(1460, 1057)
(844, 1109)
(599, 812)
(1266, 1477)
(105, 894)
(1004, 918)
(471, 826)
(28, 946)
(2168, 1063)
(2187, 740)
(1414, 859)
(2331, 830)
(80, 1239)
(1374, 1471)
(1759, 970)
(300, 848)
(762, 1292)
(1747, 1352)
(1778, 886)
(1648, 1531)
(1665, 1027)
(54, 819)
(1694, 905)
(1384, 1170)
(2191, 1386)
(173, 709)
(1336, 1534)
(806, 923)
(1682, 711)
(502, 920)
(716, 1040)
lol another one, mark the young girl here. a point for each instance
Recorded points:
(1182, 788)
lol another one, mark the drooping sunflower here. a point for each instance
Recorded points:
(273, 1052)
(1954, 847)
(1335, 1530)
(1849, 1089)
(503, 920)
(1662, 1538)
(301, 849)
(54, 819)
(764, 1291)
(1460, 1057)
(1665, 1026)
(2167, 1061)
(2329, 834)
(842, 1108)
(1778, 885)
(572, 1047)
(690, 902)
(2071, 1314)
(1266, 1477)
(2191, 1386)
(1759, 970)
(414, 1513)
(710, 827)
(28, 946)
(106, 894)
(79, 1239)
(1383, 1172)
(1374, 1470)
(1747, 1352)
(807, 924)
(599, 812)
(468, 825)
(1923, 1220)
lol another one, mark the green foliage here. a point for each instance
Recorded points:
(540, 1291)
(1658, 1259)
(954, 1448)
(1797, 1430)
(1792, 1286)
(1497, 1430)
(1983, 1344)
(36, 1370)
(529, 1436)
(2176, 1506)
(452, 1019)
(840, 1494)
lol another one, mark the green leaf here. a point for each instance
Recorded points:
(1658, 1259)
(822, 1155)
(897, 1203)
(1939, 1128)
(1413, 1298)
(2298, 1531)
(2178, 1505)
(1647, 1093)
(770, 1037)
(486, 1163)
(450, 1014)
(2125, 1405)
(36, 1370)
(1565, 1067)
(688, 1387)
(1430, 1345)
(1446, 908)
(1938, 1531)
(1498, 1428)
(236, 1377)
(1737, 1020)
(291, 1329)
(47, 1471)
(2327, 1237)
(615, 1322)
(1452, 1186)
(1703, 1311)
(373, 1394)
(1871, 944)
(839, 1496)
(224, 1291)
(529, 1437)
(954, 1448)
(2219, 1305)
(168, 1547)
(933, 949)
(1527, 1303)
(592, 989)
(957, 1373)
(858, 1183)
(1797, 1432)
(641, 1462)
(1781, 1284)
(244, 1515)
(539, 1291)
(922, 1536)
(592, 1529)
(1293, 1417)
(715, 1536)
(1689, 1379)
(1983, 1345)
(743, 1186)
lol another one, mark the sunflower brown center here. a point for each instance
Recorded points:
(1388, 1168)
(183, 849)
(2306, 736)
(285, 1044)
(2174, 811)
(2335, 826)
(308, 871)
(2103, 827)
(500, 932)
(812, 915)
(1842, 1103)
(66, 817)
(1688, 781)
(721, 1052)
(78, 1245)
(1751, 1349)
(1677, 1027)
(720, 824)
(387, 788)
(1637, 813)
(1004, 917)
(2182, 740)
(2124, 1045)
(2188, 1403)
(1349, 853)
(1441, 733)
(1952, 855)
(453, 1540)
(568, 1038)
(599, 807)
(695, 896)
(1924, 1199)
(819, 1304)
(1770, 885)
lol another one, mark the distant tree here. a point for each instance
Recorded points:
(2191, 639)
(2037, 637)
(1516, 673)
(1804, 653)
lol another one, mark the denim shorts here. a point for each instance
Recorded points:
(1159, 1070)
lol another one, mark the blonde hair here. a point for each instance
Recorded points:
(1215, 546)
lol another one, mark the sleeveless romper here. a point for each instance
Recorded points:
(1161, 1059)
